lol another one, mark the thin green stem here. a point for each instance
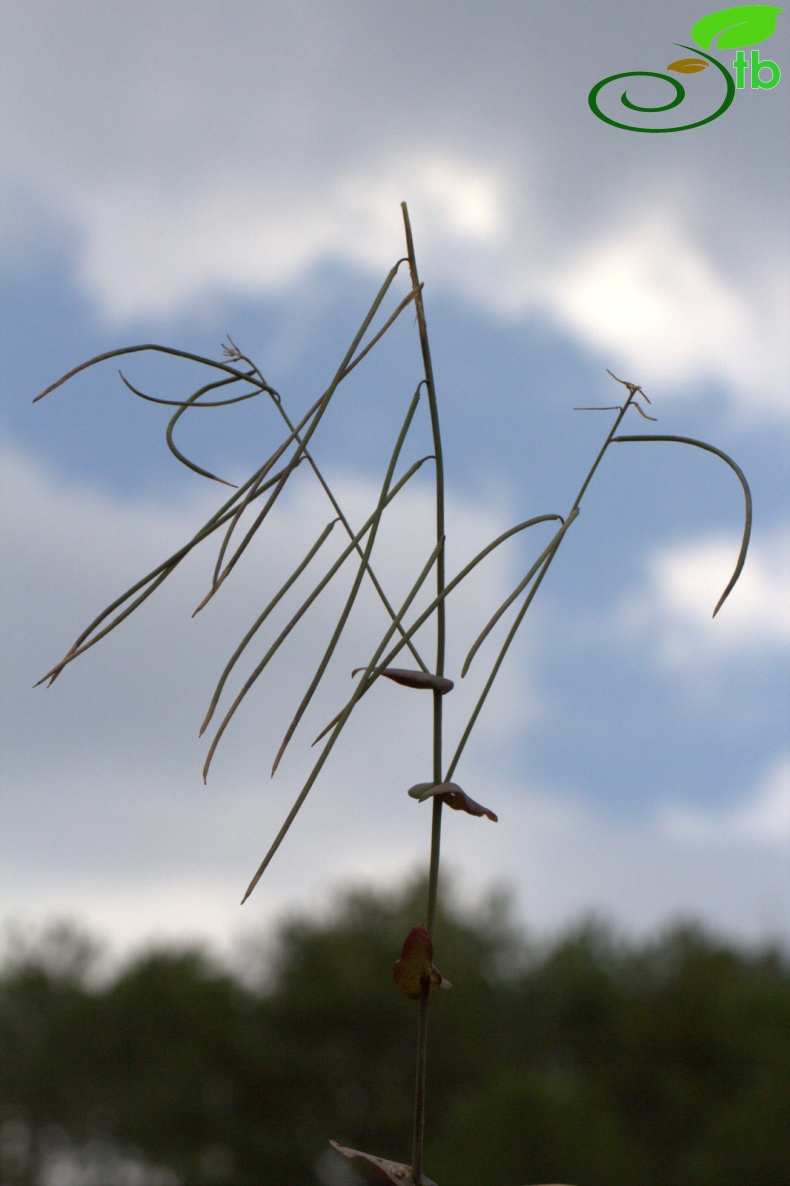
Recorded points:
(301, 611)
(418, 1132)
(361, 570)
(209, 362)
(320, 408)
(436, 819)
(430, 609)
(157, 575)
(328, 491)
(541, 567)
(291, 580)
(341, 720)
(632, 390)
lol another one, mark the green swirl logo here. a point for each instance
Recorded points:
(732, 28)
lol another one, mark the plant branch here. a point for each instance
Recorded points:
(436, 819)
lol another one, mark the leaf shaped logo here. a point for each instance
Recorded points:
(686, 66)
(746, 24)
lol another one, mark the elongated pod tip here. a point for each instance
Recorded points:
(747, 496)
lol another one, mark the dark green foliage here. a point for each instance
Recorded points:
(587, 1061)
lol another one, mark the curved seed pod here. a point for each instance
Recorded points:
(548, 551)
(179, 403)
(341, 720)
(261, 619)
(179, 456)
(362, 569)
(415, 679)
(453, 795)
(747, 496)
(161, 572)
(83, 366)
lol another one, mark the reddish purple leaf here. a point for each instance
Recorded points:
(414, 973)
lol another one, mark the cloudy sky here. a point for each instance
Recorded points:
(176, 172)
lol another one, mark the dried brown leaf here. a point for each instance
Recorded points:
(451, 794)
(390, 1171)
(421, 789)
(415, 679)
(414, 973)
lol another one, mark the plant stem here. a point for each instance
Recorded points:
(419, 1090)
(436, 819)
(633, 388)
(541, 567)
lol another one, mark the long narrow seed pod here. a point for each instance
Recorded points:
(179, 456)
(430, 609)
(297, 572)
(747, 497)
(363, 565)
(83, 366)
(541, 569)
(161, 571)
(520, 587)
(633, 390)
(315, 418)
(297, 616)
(407, 300)
(330, 495)
(552, 551)
(209, 403)
(336, 732)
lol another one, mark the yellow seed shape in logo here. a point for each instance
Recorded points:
(687, 65)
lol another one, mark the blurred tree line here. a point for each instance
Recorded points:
(588, 1060)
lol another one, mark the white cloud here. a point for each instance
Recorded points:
(222, 236)
(763, 820)
(684, 581)
(647, 291)
(188, 172)
(565, 859)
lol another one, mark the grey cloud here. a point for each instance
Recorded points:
(229, 149)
